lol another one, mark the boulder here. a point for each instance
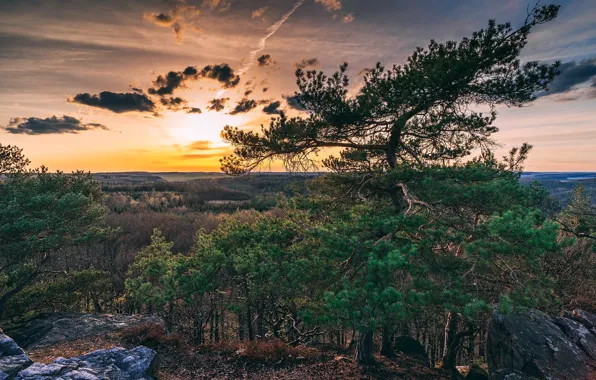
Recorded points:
(12, 357)
(51, 329)
(409, 346)
(476, 373)
(115, 363)
(531, 344)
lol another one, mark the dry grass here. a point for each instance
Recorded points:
(73, 348)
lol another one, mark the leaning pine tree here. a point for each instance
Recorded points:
(415, 118)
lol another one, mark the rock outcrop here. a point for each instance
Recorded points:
(12, 357)
(533, 345)
(112, 364)
(115, 363)
(48, 330)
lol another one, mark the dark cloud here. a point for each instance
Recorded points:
(166, 84)
(222, 73)
(265, 60)
(293, 102)
(193, 110)
(571, 75)
(248, 92)
(243, 106)
(306, 63)
(117, 102)
(273, 108)
(265, 89)
(217, 104)
(50, 125)
(174, 103)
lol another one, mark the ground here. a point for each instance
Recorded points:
(231, 363)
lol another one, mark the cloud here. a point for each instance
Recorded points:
(203, 155)
(293, 102)
(248, 92)
(258, 13)
(219, 5)
(265, 60)
(117, 102)
(265, 89)
(571, 75)
(217, 104)
(50, 125)
(330, 5)
(199, 145)
(166, 84)
(179, 17)
(193, 110)
(243, 106)
(178, 104)
(306, 63)
(203, 149)
(222, 73)
(349, 18)
(272, 108)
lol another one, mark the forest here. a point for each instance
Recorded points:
(415, 228)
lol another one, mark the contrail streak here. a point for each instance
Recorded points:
(249, 63)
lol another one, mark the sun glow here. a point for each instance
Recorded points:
(207, 126)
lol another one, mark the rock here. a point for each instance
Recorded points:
(476, 373)
(585, 318)
(113, 364)
(12, 357)
(510, 374)
(411, 347)
(51, 329)
(531, 344)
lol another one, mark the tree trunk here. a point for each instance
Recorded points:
(450, 330)
(240, 327)
(364, 349)
(450, 360)
(386, 345)
(251, 333)
(216, 326)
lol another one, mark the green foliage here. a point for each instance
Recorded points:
(422, 112)
(73, 291)
(42, 214)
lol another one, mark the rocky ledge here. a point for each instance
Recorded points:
(533, 345)
(116, 363)
(48, 330)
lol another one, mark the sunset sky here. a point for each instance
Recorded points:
(85, 84)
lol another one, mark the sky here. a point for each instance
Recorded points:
(148, 85)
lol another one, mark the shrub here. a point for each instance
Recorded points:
(152, 335)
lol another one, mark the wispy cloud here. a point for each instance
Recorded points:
(179, 17)
(330, 5)
(258, 13)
